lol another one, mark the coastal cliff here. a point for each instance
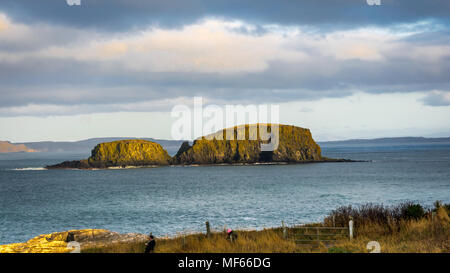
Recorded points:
(290, 144)
(121, 153)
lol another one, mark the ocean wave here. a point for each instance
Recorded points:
(333, 195)
(30, 169)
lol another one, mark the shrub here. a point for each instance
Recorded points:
(368, 214)
(362, 214)
(439, 204)
(411, 211)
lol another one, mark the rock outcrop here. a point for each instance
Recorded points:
(59, 242)
(247, 144)
(121, 153)
(128, 153)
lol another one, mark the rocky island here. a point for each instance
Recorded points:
(294, 144)
(121, 153)
(244, 146)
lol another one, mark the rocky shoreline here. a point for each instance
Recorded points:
(59, 242)
(330, 160)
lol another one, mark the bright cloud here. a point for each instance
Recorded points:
(59, 70)
(3, 22)
(210, 46)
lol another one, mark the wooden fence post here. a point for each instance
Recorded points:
(208, 229)
(350, 228)
(284, 230)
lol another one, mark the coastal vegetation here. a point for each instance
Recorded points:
(407, 227)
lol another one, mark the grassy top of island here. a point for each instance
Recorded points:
(237, 145)
(407, 227)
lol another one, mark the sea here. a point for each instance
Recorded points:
(170, 201)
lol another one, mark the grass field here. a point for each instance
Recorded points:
(404, 228)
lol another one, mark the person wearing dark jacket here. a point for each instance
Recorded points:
(231, 235)
(150, 248)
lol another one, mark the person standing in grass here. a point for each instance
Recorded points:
(150, 248)
(231, 235)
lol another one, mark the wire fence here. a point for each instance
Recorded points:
(305, 235)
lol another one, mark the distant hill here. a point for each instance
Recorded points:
(388, 141)
(87, 145)
(8, 147)
(172, 146)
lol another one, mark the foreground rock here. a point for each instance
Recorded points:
(294, 145)
(121, 153)
(59, 242)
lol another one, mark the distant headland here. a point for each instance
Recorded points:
(8, 147)
(294, 145)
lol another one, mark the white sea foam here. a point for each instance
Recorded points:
(30, 169)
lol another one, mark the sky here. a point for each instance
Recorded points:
(116, 68)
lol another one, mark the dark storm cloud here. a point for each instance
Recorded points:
(69, 82)
(120, 15)
(437, 98)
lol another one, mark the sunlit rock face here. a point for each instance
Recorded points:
(122, 153)
(128, 153)
(251, 144)
(63, 242)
